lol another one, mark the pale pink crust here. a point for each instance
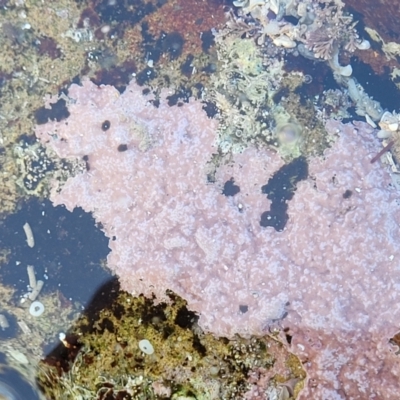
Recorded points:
(336, 263)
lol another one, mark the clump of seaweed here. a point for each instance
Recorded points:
(240, 90)
(100, 357)
(256, 100)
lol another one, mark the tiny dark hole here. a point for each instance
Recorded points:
(106, 125)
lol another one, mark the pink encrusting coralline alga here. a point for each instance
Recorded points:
(332, 275)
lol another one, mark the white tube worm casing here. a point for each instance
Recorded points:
(24, 327)
(30, 240)
(31, 275)
(36, 290)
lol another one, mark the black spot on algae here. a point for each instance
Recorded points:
(230, 189)
(58, 111)
(280, 189)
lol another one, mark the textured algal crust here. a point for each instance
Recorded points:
(331, 274)
(186, 363)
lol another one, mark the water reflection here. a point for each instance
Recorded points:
(45, 283)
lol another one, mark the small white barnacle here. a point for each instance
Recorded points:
(146, 347)
(36, 309)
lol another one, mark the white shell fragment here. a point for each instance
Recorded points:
(36, 309)
(146, 347)
(30, 240)
(346, 71)
(284, 41)
(274, 6)
(364, 45)
(3, 322)
(389, 122)
(369, 121)
(383, 134)
(63, 338)
(248, 4)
